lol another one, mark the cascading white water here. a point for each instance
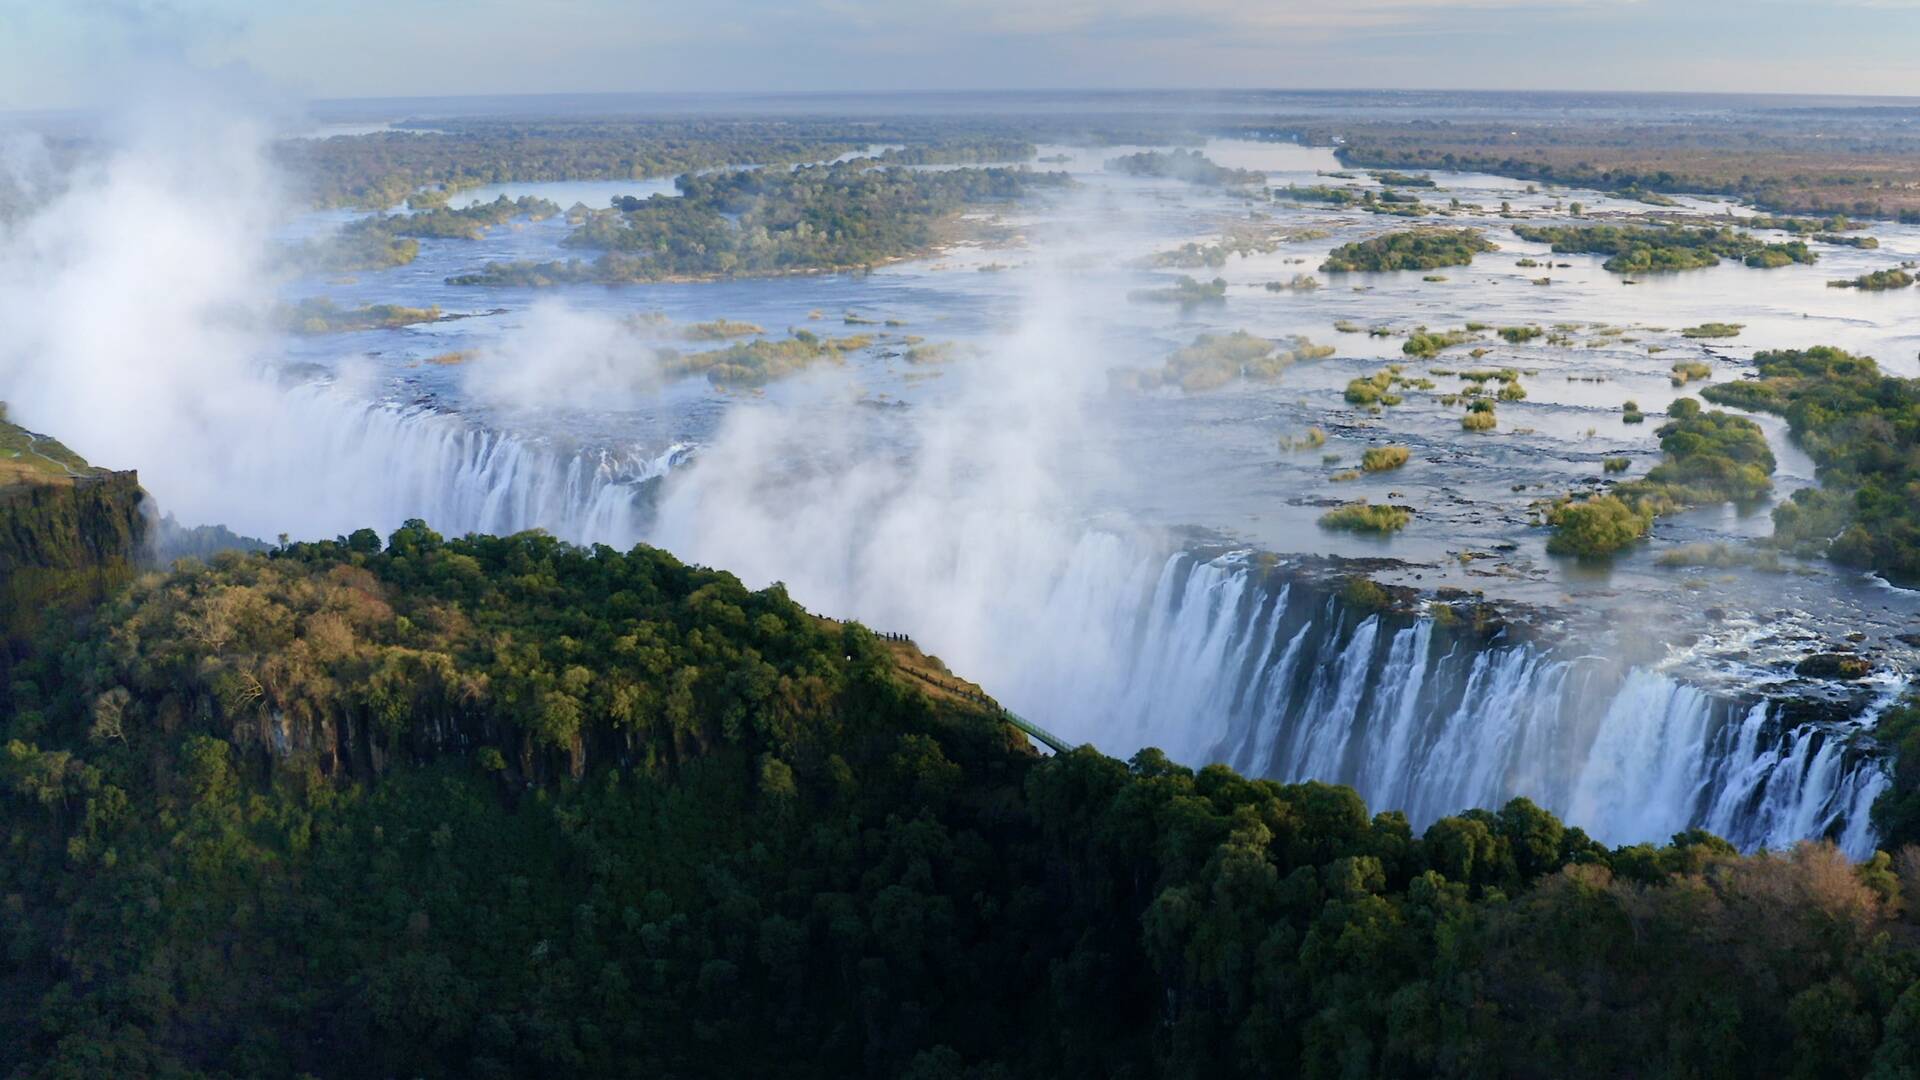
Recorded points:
(1204, 662)
(1295, 686)
(386, 462)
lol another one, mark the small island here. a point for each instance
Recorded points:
(1412, 249)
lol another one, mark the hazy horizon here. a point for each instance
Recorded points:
(82, 54)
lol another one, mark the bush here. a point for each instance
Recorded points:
(1384, 458)
(1314, 439)
(1365, 517)
(1595, 528)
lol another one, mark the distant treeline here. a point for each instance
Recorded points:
(771, 221)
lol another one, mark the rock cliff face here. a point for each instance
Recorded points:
(69, 533)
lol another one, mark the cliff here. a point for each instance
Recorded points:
(69, 532)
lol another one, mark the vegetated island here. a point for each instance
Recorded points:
(319, 315)
(758, 362)
(1213, 360)
(1411, 249)
(1862, 429)
(1707, 457)
(1185, 291)
(1190, 165)
(962, 150)
(380, 241)
(1640, 249)
(1238, 240)
(768, 221)
(1875, 281)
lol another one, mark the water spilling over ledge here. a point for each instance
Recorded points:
(1429, 704)
(1436, 706)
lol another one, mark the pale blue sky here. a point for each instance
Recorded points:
(80, 52)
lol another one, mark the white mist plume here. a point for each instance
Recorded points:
(974, 536)
(136, 324)
(131, 303)
(564, 358)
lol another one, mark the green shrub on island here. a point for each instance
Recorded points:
(1685, 371)
(319, 315)
(1414, 249)
(1314, 439)
(1517, 335)
(1596, 527)
(1713, 330)
(1630, 413)
(1389, 178)
(1616, 464)
(1427, 344)
(1363, 516)
(1634, 249)
(1479, 416)
(1877, 281)
(1375, 389)
(1866, 243)
(1298, 283)
(1384, 458)
(1185, 291)
(1338, 196)
(720, 330)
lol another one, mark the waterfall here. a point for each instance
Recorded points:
(1293, 683)
(340, 463)
(1208, 659)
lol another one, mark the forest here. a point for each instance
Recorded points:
(382, 169)
(1413, 249)
(772, 221)
(1861, 426)
(501, 806)
(1190, 165)
(1638, 249)
(1858, 161)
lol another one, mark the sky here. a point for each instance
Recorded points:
(66, 53)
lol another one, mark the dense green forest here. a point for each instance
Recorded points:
(1639, 249)
(1862, 429)
(1414, 249)
(506, 807)
(383, 169)
(980, 150)
(771, 221)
